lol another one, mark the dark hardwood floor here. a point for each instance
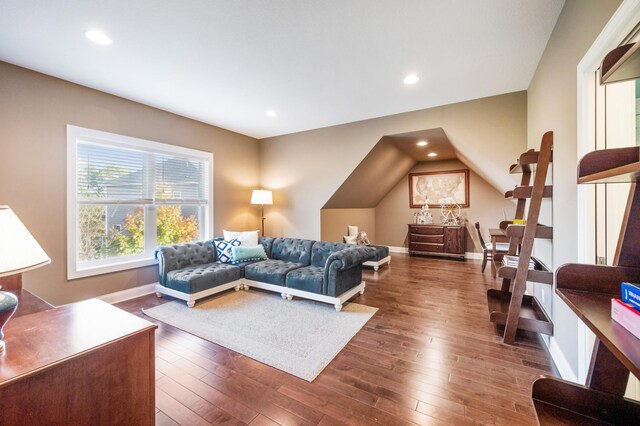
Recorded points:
(429, 356)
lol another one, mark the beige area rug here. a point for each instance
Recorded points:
(300, 337)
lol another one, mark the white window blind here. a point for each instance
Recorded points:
(126, 196)
(181, 181)
(121, 176)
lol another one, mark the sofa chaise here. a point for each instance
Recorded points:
(380, 258)
(318, 270)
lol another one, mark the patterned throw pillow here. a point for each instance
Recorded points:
(350, 239)
(362, 239)
(223, 248)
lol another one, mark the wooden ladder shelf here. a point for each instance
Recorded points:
(509, 306)
(588, 290)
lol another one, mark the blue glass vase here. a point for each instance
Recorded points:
(8, 305)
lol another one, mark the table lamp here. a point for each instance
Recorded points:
(19, 252)
(262, 197)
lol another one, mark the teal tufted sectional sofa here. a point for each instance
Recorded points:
(318, 270)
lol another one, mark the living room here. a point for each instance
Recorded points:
(494, 104)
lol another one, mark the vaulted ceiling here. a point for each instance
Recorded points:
(315, 63)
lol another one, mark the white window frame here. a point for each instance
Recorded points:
(77, 134)
(621, 24)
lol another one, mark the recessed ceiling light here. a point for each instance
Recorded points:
(422, 143)
(98, 37)
(432, 154)
(271, 113)
(411, 79)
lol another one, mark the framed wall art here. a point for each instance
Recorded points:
(438, 188)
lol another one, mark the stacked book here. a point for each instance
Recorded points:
(626, 311)
(513, 262)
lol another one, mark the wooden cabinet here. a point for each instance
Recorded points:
(79, 364)
(437, 240)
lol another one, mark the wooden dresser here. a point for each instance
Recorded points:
(78, 364)
(437, 240)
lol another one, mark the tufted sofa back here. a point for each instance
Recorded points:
(292, 250)
(267, 243)
(321, 251)
(180, 256)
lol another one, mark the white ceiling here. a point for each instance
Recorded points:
(317, 63)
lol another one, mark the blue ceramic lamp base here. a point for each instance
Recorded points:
(8, 305)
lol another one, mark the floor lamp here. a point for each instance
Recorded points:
(262, 197)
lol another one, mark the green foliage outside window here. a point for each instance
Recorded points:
(128, 239)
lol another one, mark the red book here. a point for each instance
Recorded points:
(626, 316)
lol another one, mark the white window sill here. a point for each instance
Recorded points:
(90, 271)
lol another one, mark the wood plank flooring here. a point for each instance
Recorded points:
(429, 356)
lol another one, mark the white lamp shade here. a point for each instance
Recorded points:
(19, 251)
(261, 196)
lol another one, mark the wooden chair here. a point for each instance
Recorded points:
(487, 248)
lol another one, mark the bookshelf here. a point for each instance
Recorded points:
(588, 290)
(509, 306)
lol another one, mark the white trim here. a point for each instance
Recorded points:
(77, 134)
(192, 298)
(138, 144)
(617, 29)
(112, 267)
(564, 367)
(376, 264)
(473, 255)
(395, 249)
(128, 294)
(286, 291)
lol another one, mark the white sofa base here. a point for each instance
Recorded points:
(191, 298)
(377, 263)
(243, 283)
(288, 293)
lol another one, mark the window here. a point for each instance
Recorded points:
(126, 196)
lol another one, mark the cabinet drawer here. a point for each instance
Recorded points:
(420, 238)
(426, 230)
(430, 247)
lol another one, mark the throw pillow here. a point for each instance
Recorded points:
(246, 238)
(362, 239)
(246, 254)
(350, 239)
(223, 249)
(353, 230)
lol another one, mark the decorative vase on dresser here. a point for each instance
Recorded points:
(437, 240)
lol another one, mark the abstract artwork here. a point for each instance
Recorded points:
(438, 188)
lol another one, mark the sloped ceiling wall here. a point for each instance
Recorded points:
(374, 177)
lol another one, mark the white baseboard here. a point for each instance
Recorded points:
(564, 367)
(394, 249)
(467, 255)
(131, 293)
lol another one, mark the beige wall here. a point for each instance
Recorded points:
(334, 223)
(34, 110)
(486, 205)
(305, 169)
(552, 106)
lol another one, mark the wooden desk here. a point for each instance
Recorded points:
(497, 236)
(82, 363)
